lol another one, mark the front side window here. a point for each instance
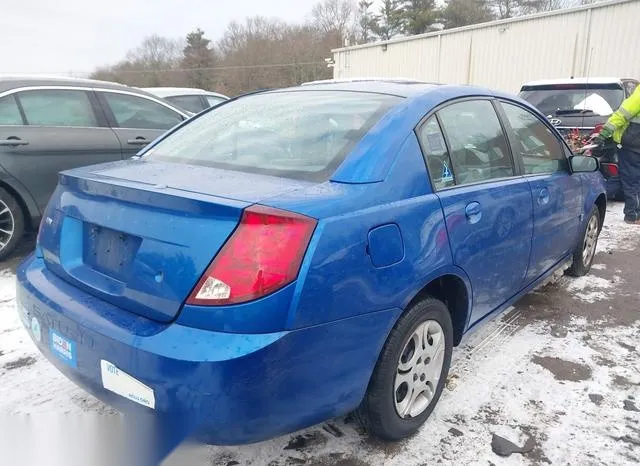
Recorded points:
(294, 134)
(57, 107)
(9, 112)
(479, 149)
(212, 100)
(131, 111)
(534, 142)
(190, 103)
(436, 154)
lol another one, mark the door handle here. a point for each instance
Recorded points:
(543, 196)
(473, 212)
(139, 141)
(13, 141)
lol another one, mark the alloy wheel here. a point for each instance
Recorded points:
(419, 369)
(590, 241)
(7, 224)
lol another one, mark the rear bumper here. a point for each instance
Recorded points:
(232, 388)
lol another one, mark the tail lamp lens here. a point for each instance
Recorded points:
(262, 255)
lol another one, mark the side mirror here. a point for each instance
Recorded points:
(584, 164)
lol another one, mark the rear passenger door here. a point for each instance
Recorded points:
(557, 194)
(137, 120)
(47, 130)
(486, 204)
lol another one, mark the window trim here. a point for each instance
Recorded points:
(435, 111)
(20, 112)
(111, 119)
(96, 114)
(511, 138)
(201, 97)
(416, 131)
(92, 92)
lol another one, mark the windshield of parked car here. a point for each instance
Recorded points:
(574, 99)
(295, 134)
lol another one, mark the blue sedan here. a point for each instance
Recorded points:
(293, 255)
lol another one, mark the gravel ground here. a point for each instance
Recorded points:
(556, 380)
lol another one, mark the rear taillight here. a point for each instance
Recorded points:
(610, 169)
(261, 256)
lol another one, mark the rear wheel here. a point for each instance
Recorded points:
(586, 250)
(410, 374)
(11, 224)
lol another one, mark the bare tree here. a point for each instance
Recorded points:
(149, 64)
(262, 53)
(336, 17)
(156, 52)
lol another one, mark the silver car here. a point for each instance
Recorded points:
(190, 99)
(50, 124)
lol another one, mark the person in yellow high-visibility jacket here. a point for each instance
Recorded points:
(624, 127)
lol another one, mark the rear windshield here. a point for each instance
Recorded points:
(574, 99)
(297, 134)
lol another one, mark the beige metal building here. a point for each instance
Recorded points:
(596, 40)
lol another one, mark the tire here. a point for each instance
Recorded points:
(11, 224)
(585, 252)
(379, 412)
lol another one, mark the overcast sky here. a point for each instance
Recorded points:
(62, 36)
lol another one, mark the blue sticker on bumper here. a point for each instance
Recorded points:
(63, 348)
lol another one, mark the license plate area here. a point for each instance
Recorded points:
(108, 251)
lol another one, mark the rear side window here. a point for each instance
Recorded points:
(9, 112)
(131, 111)
(479, 149)
(212, 100)
(295, 134)
(436, 154)
(534, 142)
(574, 99)
(190, 103)
(57, 107)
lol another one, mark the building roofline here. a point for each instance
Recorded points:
(472, 27)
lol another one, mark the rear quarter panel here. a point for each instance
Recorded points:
(593, 186)
(338, 279)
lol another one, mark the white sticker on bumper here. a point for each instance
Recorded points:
(117, 381)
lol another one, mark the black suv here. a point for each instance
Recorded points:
(582, 104)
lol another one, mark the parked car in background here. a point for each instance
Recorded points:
(190, 99)
(296, 254)
(53, 124)
(576, 107)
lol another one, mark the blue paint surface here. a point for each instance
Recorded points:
(113, 269)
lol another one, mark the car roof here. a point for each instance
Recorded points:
(398, 88)
(12, 81)
(408, 89)
(550, 82)
(176, 91)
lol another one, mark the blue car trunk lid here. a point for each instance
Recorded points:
(141, 234)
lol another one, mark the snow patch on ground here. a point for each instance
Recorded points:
(616, 234)
(512, 376)
(29, 384)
